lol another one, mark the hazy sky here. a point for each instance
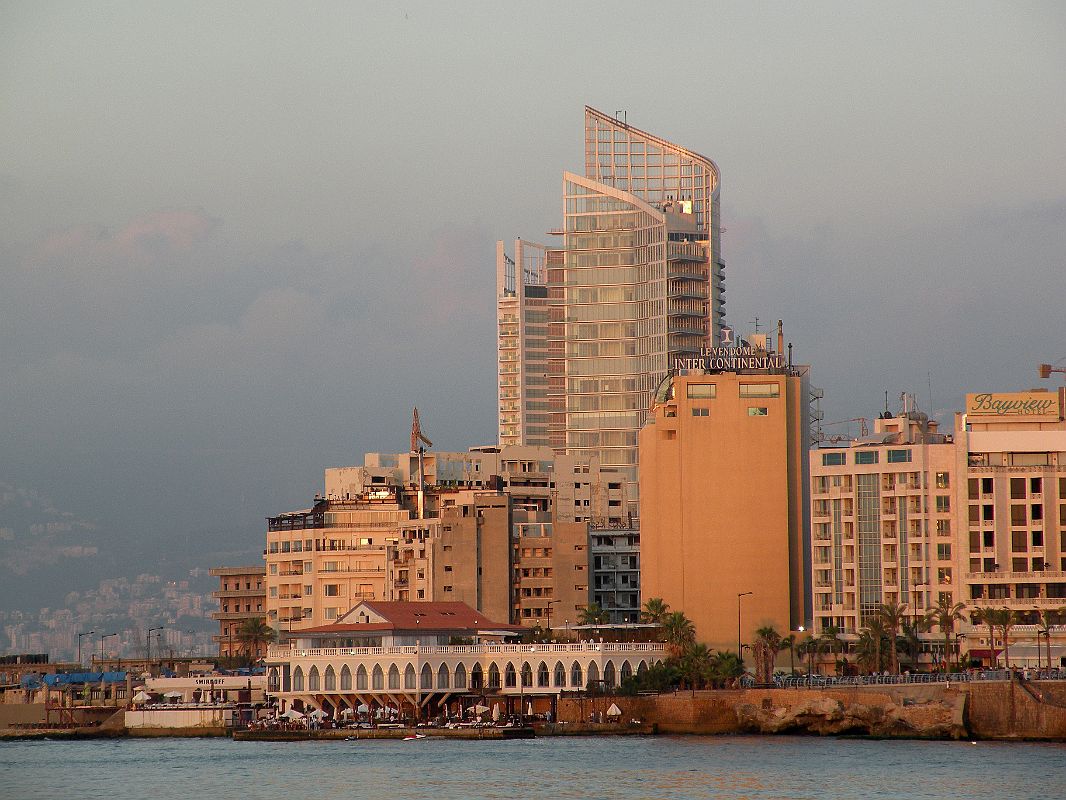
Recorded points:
(240, 240)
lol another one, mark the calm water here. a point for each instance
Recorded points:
(659, 767)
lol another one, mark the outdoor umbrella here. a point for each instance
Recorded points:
(362, 708)
(318, 713)
(480, 709)
(529, 710)
(174, 694)
(495, 712)
(141, 697)
(292, 713)
(614, 711)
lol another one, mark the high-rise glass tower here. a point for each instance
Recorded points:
(636, 282)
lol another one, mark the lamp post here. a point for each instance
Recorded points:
(958, 649)
(148, 648)
(917, 591)
(102, 637)
(87, 633)
(740, 596)
(550, 604)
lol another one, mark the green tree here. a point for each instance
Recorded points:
(987, 616)
(679, 631)
(726, 668)
(253, 634)
(893, 615)
(694, 665)
(767, 644)
(944, 615)
(655, 611)
(1004, 619)
(1044, 629)
(828, 641)
(871, 645)
(592, 614)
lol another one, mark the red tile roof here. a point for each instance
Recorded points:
(409, 616)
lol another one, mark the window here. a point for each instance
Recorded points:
(332, 590)
(943, 527)
(1017, 542)
(273, 569)
(1038, 539)
(942, 480)
(702, 391)
(943, 503)
(308, 590)
(757, 411)
(865, 456)
(700, 412)
(943, 552)
(1017, 488)
(273, 591)
(834, 459)
(899, 456)
(760, 390)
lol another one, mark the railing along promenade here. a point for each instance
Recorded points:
(277, 652)
(830, 682)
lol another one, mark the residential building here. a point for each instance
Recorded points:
(503, 529)
(522, 326)
(1011, 496)
(241, 597)
(882, 522)
(614, 562)
(424, 659)
(723, 485)
(636, 282)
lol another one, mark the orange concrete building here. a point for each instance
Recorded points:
(723, 470)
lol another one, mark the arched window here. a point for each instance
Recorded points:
(494, 676)
(576, 678)
(442, 677)
(410, 680)
(594, 673)
(642, 667)
(394, 677)
(360, 677)
(330, 679)
(272, 680)
(560, 674)
(314, 684)
(527, 674)
(625, 672)
(298, 680)
(460, 677)
(608, 675)
(510, 677)
(477, 678)
(427, 677)
(543, 678)
(346, 678)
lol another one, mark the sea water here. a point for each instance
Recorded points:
(558, 767)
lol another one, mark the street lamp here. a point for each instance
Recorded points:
(102, 637)
(958, 649)
(87, 633)
(740, 595)
(550, 604)
(917, 591)
(148, 643)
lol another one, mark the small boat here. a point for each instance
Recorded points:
(415, 736)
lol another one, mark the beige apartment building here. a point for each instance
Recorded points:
(723, 479)
(1011, 450)
(241, 596)
(882, 522)
(504, 530)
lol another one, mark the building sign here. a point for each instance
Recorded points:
(1030, 405)
(731, 359)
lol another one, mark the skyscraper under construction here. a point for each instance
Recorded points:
(589, 327)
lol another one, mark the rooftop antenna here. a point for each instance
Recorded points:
(417, 438)
(756, 323)
(929, 389)
(624, 116)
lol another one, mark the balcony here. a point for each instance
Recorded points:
(219, 594)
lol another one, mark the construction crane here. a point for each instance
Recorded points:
(417, 435)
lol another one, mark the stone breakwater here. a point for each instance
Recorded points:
(979, 710)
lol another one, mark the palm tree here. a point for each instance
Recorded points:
(654, 611)
(987, 616)
(592, 614)
(1044, 629)
(944, 615)
(789, 643)
(679, 630)
(253, 634)
(893, 615)
(767, 645)
(870, 645)
(828, 640)
(695, 665)
(1006, 619)
(726, 666)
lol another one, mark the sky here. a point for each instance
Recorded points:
(239, 241)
